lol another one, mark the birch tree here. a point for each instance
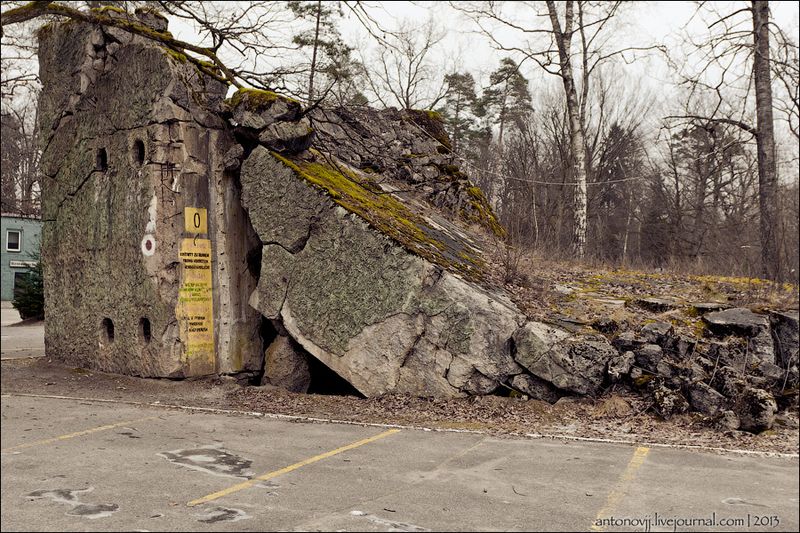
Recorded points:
(569, 40)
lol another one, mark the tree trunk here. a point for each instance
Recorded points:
(576, 134)
(765, 141)
(314, 55)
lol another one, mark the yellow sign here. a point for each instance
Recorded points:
(195, 219)
(195, 311)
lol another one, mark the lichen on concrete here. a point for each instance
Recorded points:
(377, 313)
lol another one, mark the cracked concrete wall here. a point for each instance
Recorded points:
(380, 317)
(113, 228)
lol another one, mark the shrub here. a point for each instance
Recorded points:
(29, 296)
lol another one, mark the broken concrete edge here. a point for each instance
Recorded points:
(323, 420)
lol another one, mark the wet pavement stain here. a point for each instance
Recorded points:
(211, 460)
(67, 496)
(222, 514)
(94, 510)
(740, 501)
(70, 497)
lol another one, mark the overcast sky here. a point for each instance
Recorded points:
(662, 22)
(638, 23)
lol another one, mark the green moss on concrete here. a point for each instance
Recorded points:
(433, 115)
(205, 67)
(388, 215)
(105, 10)
(432, 123)
(180, 57)
(257, 99)
(482, 212)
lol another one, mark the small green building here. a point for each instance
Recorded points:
(20, 247)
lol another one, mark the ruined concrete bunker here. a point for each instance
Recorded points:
(187, 234)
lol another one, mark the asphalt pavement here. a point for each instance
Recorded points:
(19, 340)
(77, 465)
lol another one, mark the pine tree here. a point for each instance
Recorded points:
(507, 99)
(327, 48)
(29, 295)
(458, 109)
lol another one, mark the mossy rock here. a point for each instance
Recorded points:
(258, 100)
(180, 57)
(387, 214)
(483, 213)
(431, 122)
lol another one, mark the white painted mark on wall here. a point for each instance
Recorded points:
(152, 212)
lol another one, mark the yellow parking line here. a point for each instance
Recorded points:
(76, 434)
(616, 495)
(286, 470)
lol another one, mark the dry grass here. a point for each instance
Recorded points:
(613, 407)
(544, 286)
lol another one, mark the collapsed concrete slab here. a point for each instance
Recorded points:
(148, 243)
(363, 302)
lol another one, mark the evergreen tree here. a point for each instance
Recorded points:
(459, 107)
(29, 295)
(328, 52)
(345, 75)
(507, 99)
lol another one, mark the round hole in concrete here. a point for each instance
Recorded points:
(144, 329)
(107, 330)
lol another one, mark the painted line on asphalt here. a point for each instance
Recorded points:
(311, 419)
(250, 482)
(620, 490)
(75, 434)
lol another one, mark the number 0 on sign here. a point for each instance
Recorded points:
(195, 219)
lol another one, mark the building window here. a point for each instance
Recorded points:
(13, 240)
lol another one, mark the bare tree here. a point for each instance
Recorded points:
(737, 65)
(404, 74)
(236, 37)
(568, 29)
(20, 158)
(765, 140)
